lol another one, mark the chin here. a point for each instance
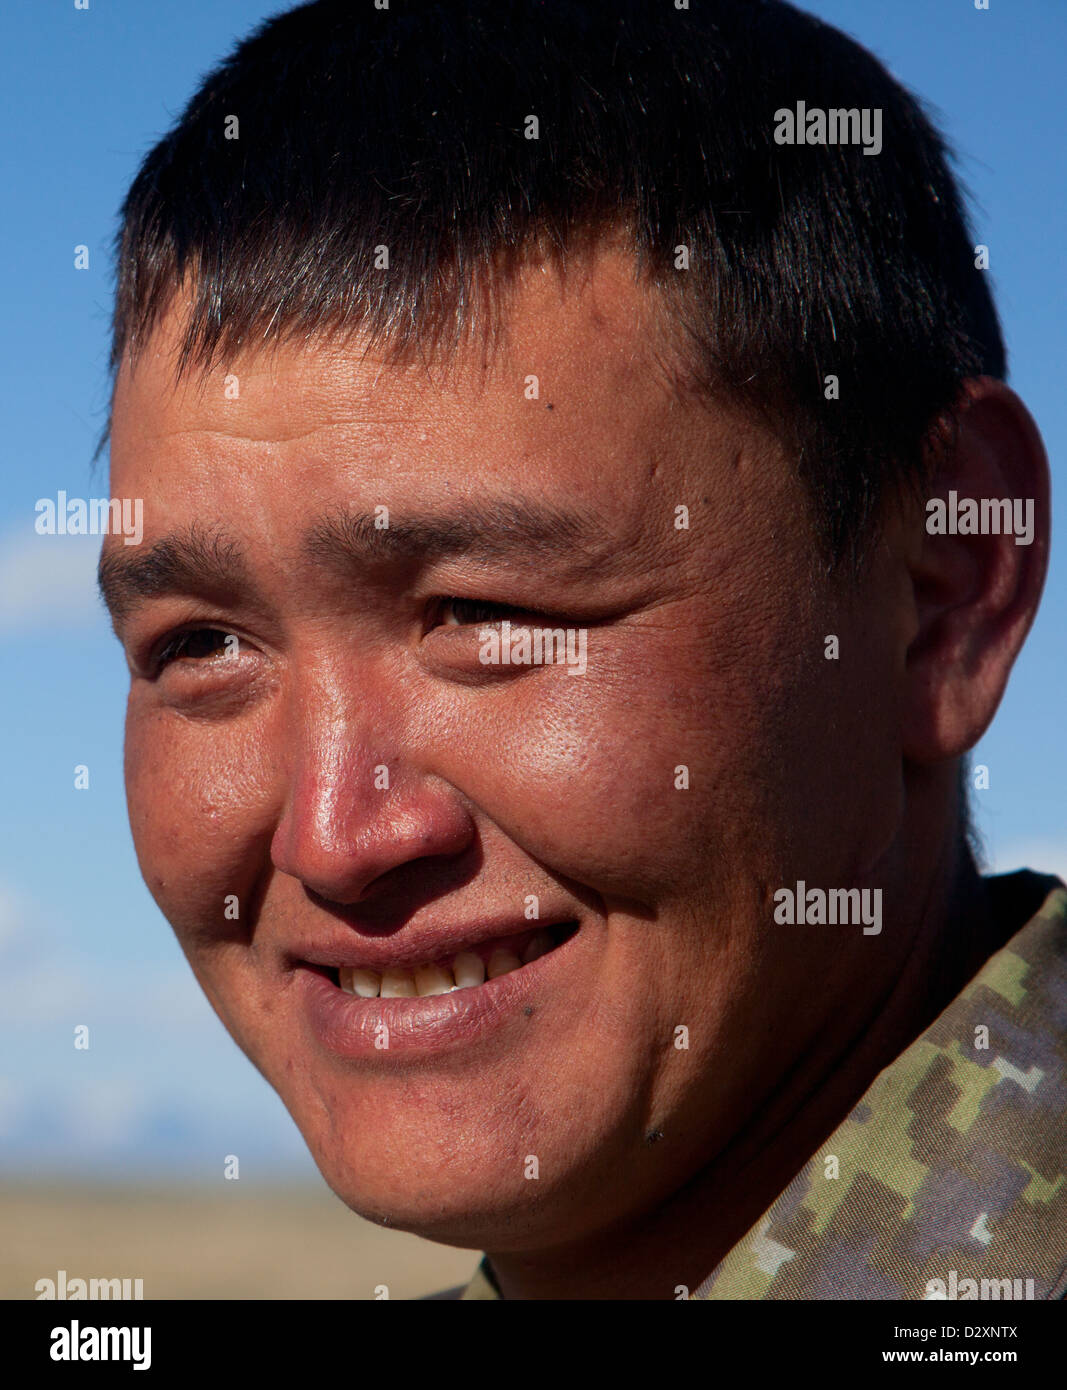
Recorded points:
(478, 1212)
(454, 1192)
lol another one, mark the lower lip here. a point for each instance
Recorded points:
(351, 1027)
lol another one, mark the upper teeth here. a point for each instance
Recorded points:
(464, 972)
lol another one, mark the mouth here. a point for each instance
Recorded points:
(462, 970)
(417, 1003)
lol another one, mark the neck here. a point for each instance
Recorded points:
(680, 1242)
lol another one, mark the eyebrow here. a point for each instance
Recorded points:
(196, 559)
(201, 559)
(490, 530)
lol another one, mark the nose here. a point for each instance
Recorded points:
(357, 805)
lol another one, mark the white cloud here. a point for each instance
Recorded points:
(48, 581)
(107, 1111)
(160, 1076)
(10, 1106)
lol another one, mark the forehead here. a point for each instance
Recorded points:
(573, 401)
(590, 337)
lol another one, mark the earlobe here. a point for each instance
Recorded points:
(977, 571)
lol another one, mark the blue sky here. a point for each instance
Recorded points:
(86, 93)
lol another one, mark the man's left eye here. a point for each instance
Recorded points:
(469, 612)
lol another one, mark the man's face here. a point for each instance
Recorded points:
(708, 755)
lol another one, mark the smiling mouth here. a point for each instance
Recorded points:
(466, 969)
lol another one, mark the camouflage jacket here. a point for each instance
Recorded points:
(952, 1169)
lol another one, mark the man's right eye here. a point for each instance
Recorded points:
(197, 644)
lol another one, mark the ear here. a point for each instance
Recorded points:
(976, 591)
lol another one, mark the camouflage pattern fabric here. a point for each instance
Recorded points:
(952, 1170)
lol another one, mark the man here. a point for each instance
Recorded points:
(557, 640)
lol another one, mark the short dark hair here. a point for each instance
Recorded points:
(406, 128)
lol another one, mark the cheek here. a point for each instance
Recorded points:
(687, 754)
(199, 799)
(613, 777)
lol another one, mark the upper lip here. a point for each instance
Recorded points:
(411, 946)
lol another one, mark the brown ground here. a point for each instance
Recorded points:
(236, 1241)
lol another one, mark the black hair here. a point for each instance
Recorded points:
(407, 128)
